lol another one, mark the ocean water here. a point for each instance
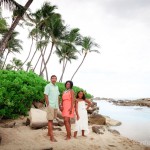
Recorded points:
(135, 120)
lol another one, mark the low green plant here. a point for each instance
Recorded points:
(18, 89)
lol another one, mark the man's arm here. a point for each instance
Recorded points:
(46, 100)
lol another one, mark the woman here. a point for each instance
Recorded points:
(67, 107)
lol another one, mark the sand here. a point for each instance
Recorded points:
(22, 137)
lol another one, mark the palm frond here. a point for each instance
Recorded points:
(11, 5)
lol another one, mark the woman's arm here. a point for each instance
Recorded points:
(72, 100)
(88, 102)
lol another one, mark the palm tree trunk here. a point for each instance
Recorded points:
(79, 65)
(5, 60)
(15, 23)
(64, 70)
(47, 58)
(37, 62)
(43, 62)
(39, 59)
(33, 55)
(28, 54)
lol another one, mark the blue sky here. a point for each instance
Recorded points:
(122, 29)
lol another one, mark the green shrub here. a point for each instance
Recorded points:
(18, 89)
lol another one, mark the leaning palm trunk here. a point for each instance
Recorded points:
(43, 62)
(28, 54)
(36, 63)
(13, 26)
(64, 71)
(33, 55)
(5, 60)
(79, 66)
(47, 58)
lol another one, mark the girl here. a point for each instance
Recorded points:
(67, 107)
(81, 124)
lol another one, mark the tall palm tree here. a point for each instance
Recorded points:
(55, 29)
(13, 46)
(66, 52)
(87, 44)
(10, 4)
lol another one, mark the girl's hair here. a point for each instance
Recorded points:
(83, 97)
(71, 84)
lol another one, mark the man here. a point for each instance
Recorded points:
(52, 101)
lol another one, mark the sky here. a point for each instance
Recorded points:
(122, 29)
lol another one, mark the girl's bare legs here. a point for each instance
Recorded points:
(68, 127)
(75, 134)
(83, 133)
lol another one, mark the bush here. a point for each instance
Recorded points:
(18, 89)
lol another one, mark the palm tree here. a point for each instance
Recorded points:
(16, 63)
(11, 4)
(66, 52)
(13, 46)
(87, 44)
(29, 65)
(55, 29)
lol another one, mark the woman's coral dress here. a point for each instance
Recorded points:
(66, 98)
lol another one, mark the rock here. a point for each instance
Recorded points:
(92, 109)
(72, 120)
(59, 115)
(9, 125)
(37, 118)
(59, 129)
(98, 129)
(27, 122)
(97, 119)
(55, 122)
(60, 122)
(48, 148)
(38, 104)
(114, 131)
(112, 122)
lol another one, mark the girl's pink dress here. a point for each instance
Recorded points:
(66, 98)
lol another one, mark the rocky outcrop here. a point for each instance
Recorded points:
(112, 122)
(138, 102)
(97, 119)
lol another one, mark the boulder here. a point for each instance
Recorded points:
(9, 125)
(97, 119)
(38, 104)
(37, 118)
(114, 131)
(72, 120)
(112, 122)
(98, 129)
(59, 115)
(60, 122)
(92, 109)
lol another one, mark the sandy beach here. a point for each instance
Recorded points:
(22, 137)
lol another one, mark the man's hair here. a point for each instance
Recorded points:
(53, 76)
